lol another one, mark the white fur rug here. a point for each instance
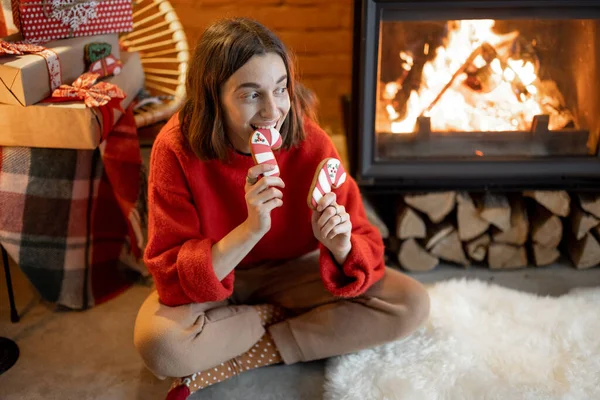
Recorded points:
(483, 342)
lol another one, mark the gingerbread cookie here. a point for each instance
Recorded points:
(262, 144)
(99, 60)
(329, 174)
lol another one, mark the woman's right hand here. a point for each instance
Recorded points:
(262, 196)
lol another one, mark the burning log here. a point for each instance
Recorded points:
(470, 223)
(436, 205)
(413, 61)
(407, 67)
(477, 248)
(503, 72)
(484, 78)
(413, 257)
(558, 202)
(409, 224)
(456, 74)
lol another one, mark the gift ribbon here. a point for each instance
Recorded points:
(52, 60)
(104, 95)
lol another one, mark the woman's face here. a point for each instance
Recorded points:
(255, 96)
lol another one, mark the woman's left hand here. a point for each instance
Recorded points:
(331, 226)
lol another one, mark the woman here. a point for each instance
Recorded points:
(246, 273)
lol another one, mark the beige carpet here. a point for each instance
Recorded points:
(75, 355)
(90, 355)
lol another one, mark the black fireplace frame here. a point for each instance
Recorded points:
(577, 173)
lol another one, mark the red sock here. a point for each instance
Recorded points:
(180, 392)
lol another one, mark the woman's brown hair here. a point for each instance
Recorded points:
(224, 48)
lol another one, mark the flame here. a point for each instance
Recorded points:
(460, 108)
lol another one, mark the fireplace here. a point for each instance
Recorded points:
(475, 95)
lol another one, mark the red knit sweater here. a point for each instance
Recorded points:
(193, 204)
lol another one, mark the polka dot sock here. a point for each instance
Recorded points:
(270, 314)
(263, 353)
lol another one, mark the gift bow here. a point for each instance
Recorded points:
(19, 49)
(104, 95)
(52, 61)
(93, 94)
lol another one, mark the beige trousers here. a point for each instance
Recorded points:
(179, 341)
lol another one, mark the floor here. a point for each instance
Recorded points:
(90, 355)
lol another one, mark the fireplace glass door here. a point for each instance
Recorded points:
(487, 88)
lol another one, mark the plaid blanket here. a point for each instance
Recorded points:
(73, 220)
(3, 30)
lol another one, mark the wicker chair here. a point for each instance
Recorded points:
(159, 38)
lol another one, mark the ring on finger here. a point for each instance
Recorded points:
(341, 219)
(251, 181)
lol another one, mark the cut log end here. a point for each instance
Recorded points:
(495, 208)
(506, 256)
(543, 255)
(590, 203)
(582, 222)
(558, 202)
(409, 224)
(518, 231)
(436, 233)
(584, 253)
(546, 228)
(436, 205)
(450, 248)
(470, 223)
(413, 257)
(477, 248)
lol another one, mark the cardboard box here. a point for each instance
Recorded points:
(24, 79)
(49, 20)
(69, 125)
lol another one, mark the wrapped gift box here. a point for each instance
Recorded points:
(69, 125)
(24, 79)
(57, 19)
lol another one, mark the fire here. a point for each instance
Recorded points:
(473, 83)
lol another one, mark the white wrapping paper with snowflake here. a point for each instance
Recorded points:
(44, 20)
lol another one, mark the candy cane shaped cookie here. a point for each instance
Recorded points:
(262, 144)
(329, 174)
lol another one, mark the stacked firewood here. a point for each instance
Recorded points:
(502, 231)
